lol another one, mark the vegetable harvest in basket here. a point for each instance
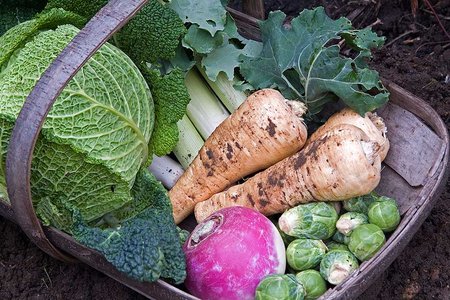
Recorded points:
(141, 97)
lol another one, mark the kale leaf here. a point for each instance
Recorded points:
(302, 59)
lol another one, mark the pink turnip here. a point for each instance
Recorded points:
(230, 252)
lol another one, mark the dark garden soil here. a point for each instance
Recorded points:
(416, 56)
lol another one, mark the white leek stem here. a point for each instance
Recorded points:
(225, 91)
(204, 110)
(166, 170)
(189, 142)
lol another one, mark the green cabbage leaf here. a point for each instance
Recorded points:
(95, 138)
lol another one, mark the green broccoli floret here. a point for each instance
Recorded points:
(171, 97)
(147, 245)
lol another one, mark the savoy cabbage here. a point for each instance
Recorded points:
(95, 138)
(89, 158)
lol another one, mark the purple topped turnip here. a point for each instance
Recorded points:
(230, 252)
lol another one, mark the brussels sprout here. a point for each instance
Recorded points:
(332, 245)
(337, 265)
(280, 287)
(349, 221)
(314, 284)
(304, 254)
(340, 238)
(366, 240)
(360, 204)
(287, 239)
(384, 213)
(312, 220)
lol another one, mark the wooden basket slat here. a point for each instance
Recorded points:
(407, 134)
(395, 186)
(247, 25)
(254, 9)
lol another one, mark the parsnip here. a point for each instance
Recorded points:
(265, 129)
(371, 124)
(343, 163)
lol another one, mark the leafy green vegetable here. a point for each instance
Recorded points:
(5, 132)
(16, 37)
(95, 137)
(360, 204)
(303, 254)
(315, 220)
(337, 265)
(340, 238)
(86, 9)
(384, 213)
(224, 59)
(85, 169)
(147, 245)
(313, 283)
(171, 98)
(152, 36)
(218, 50)
(349, 221)
(366, 240)
(280, 287)
(208, 15)
(184, 235)
(332, 245)
(302, 61)
(200, 40)
(287, 239)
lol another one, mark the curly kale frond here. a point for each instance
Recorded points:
(147, 245)
(171, 98)
(152, 35)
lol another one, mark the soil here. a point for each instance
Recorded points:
(416, 56)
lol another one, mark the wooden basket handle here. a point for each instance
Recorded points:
(37, 105)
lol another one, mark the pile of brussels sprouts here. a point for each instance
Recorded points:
(325, 247)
